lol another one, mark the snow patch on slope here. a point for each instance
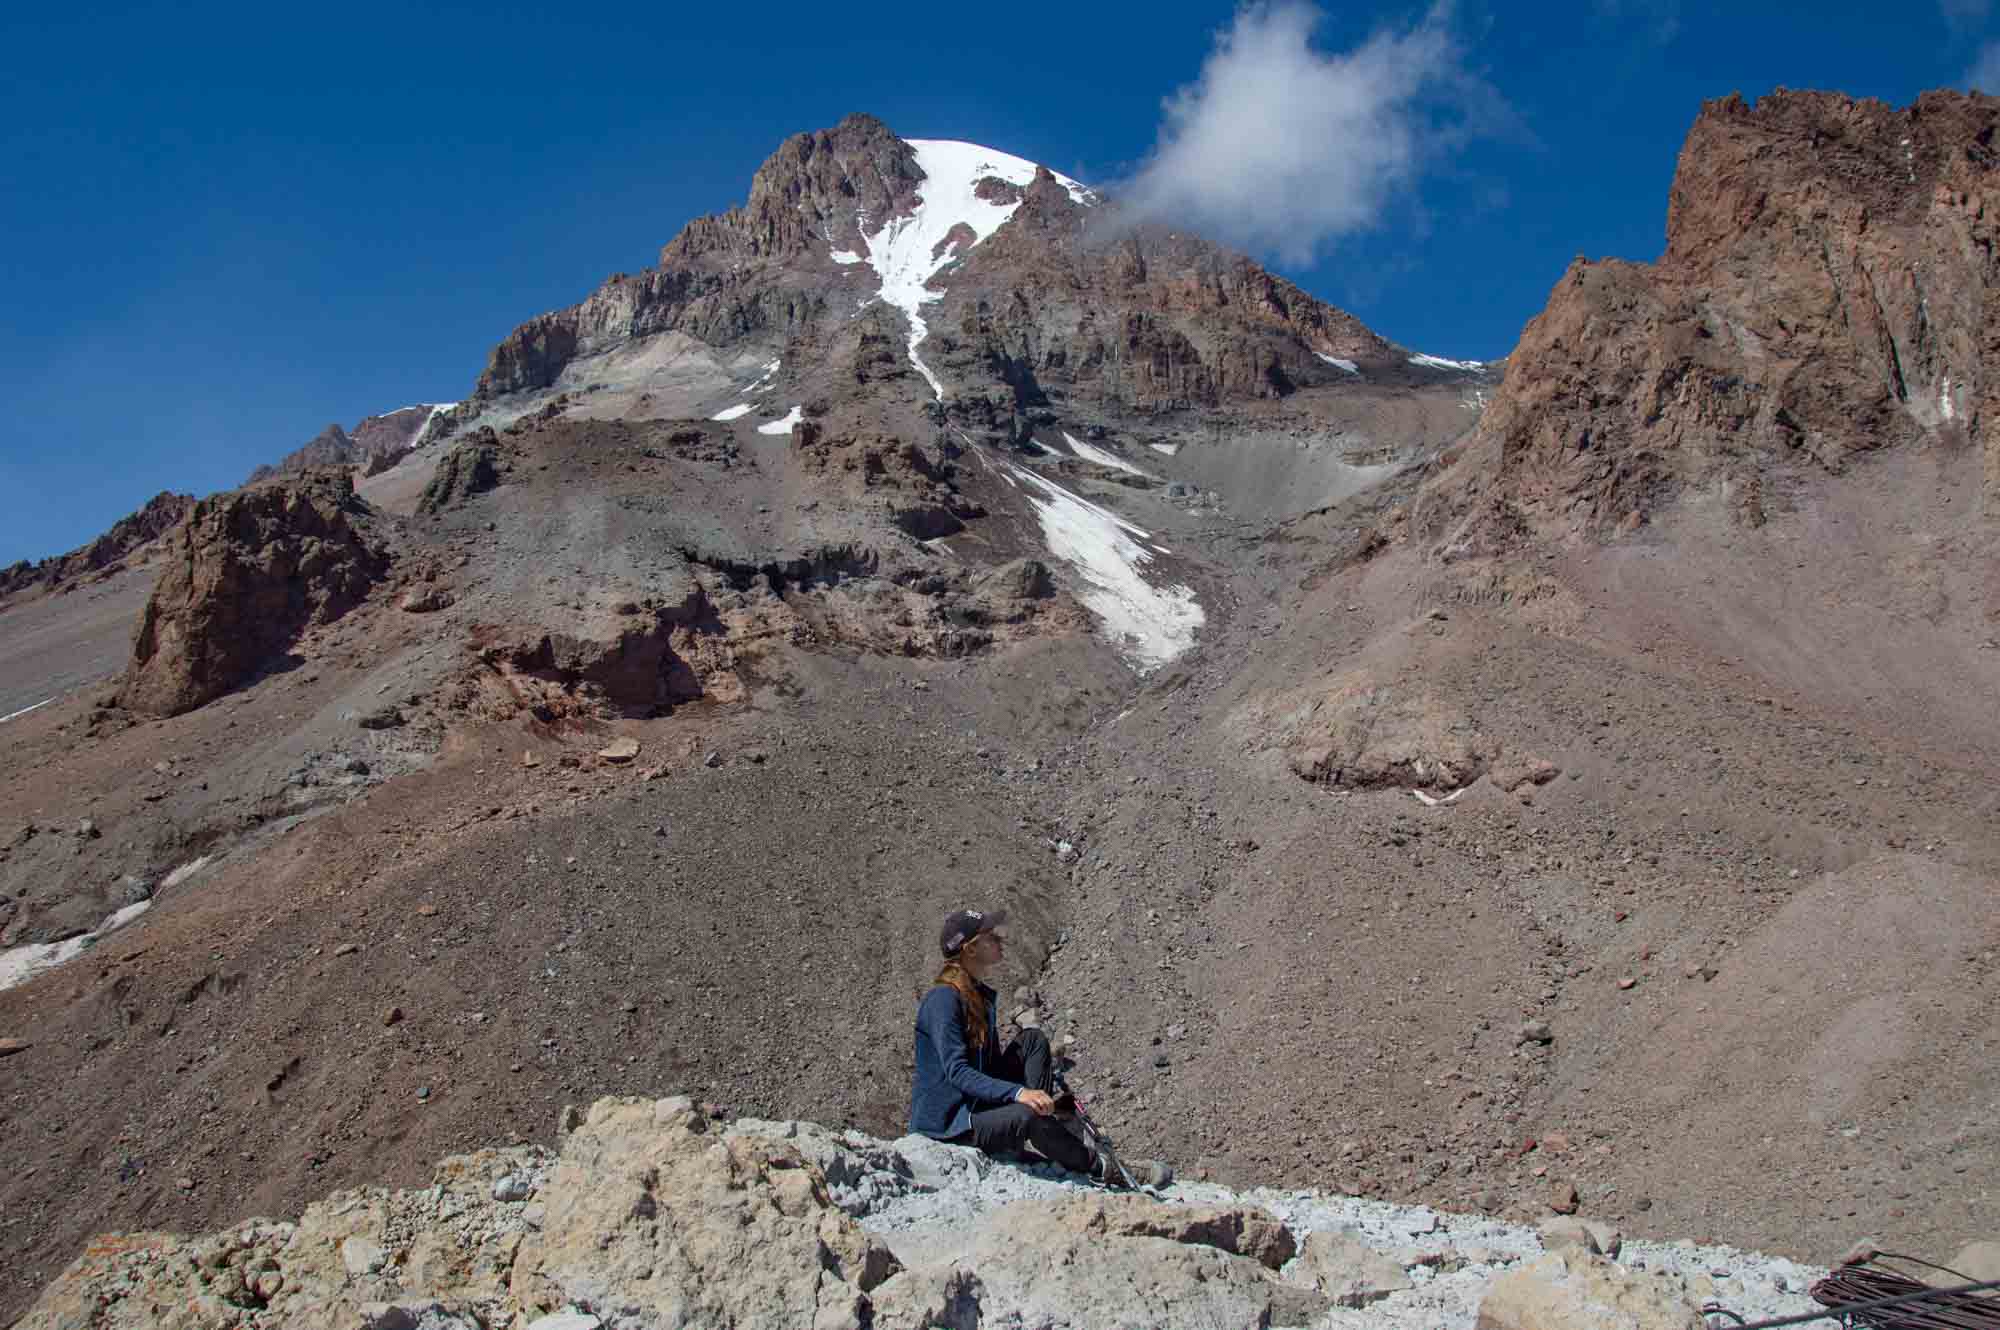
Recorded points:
(1439, 362)
(908, 251)
(1338, 363)
(782, 426)
(1102, 457)
(436, 409)
(20, 964)
(1150, 625)
(732, 412)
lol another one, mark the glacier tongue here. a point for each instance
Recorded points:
(908, 251)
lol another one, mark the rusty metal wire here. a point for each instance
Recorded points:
(1870, 1294)
(1880, 1298)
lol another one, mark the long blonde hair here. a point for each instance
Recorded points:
(971, 1002)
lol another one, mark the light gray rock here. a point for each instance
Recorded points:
(932, 1297)
(362, 1256)
(512, 1187)
(417, 1314)
(1035, 1274)
(1573, 1290)
(1348, 1271)
(649, 1212)
(567, 1320)
(861, 1172)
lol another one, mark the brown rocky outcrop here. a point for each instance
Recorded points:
(125, 537)
(331, 447)
(391, 433)
(242, 577)
(729, 275)
(1068, 295)
(470, 468)
(1830, 286)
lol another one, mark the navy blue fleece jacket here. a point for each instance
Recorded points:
(952, 1081)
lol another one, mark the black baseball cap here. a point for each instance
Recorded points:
(961, 926)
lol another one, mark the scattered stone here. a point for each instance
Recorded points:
(1563, 1198)
(345, 949)
(392, 1016)
(1535, 1032)
(87, 830)
(1512, 775)
(1346, 1270)
(512, 1187)
(1608, 1240)
(530, 760)
(382, 718)
(427, 599)
(1626, 984)
(620, 750)
(714, 759)
(1599, 1239)
(9, 1047)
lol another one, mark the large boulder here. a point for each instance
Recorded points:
(1091, 1261)
(646, 1218)
(652, 1218)
(1573, 1290)
(242, 577)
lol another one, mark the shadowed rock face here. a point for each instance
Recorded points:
(243, 576)
(1829, 287)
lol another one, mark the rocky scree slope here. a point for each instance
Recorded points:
(1829, 289)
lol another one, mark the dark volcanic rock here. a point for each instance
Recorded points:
(246, 573)
(470, 468)
(1830, 286)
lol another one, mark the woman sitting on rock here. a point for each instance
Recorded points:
(967, 1089)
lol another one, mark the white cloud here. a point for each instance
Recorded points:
(1281, 149)
(1984, 76)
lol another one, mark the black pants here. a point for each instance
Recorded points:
(1005, 1129)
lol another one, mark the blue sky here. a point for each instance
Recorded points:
(227, 225)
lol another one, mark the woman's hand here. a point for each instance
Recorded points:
(1036, 1099)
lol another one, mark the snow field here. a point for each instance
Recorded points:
(1102, 457)
(908, 251)
(1439, 362)
(792, 418)
(1150, 625)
